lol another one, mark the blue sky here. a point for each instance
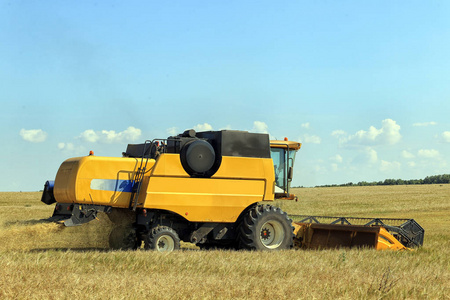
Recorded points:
(363, 85)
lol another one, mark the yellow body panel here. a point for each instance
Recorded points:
(203, 199)
(95, 180)
(239, 182)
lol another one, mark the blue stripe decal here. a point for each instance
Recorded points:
(113, 185)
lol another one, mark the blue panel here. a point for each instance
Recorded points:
(112, 185)
(49, 184)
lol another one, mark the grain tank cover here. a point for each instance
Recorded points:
(211, 146)
(238, 143)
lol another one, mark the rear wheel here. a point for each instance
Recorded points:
(266, 228)
(162, 239)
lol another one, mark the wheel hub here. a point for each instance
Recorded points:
(165, 243)
(161, 244)
(272, 234)
(265, 234)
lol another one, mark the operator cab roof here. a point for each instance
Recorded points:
(285, 144)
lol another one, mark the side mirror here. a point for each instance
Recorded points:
(290, 173)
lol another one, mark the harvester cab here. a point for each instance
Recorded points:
(283, 156)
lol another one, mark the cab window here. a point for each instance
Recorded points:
(279, 164)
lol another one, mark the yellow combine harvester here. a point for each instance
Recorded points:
(205, 188)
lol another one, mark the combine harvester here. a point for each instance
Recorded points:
(211, 189)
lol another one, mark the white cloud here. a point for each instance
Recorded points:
(90, 136)
(70, 148)
(110, 136)
(305, 125)
(311, 139)
(387, 166)
(66, 146)
(411, 164)
(33, 135)
(341, 135)
(338, 133)
(203, 127)
(131, 133)
(446, 136)
(372, 155)
(407, 154)
(337, 158)
(369, 135)
(334, 167)
(320, 169)
(389, 133)
(365, 156)
(424, 124)
(228, 127)
(172, 131)
(428, 153)
(260, 127)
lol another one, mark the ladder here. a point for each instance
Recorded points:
(139, 176)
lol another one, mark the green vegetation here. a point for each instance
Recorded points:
(436, 179)
(47, 261)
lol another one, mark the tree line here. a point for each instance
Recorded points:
(435, 179)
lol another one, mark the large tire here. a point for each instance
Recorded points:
(265, 227)
(162, 239)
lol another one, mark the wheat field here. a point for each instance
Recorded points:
(48, 261)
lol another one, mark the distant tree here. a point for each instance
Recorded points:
(446, 178)
(435, 179)
(389, 182)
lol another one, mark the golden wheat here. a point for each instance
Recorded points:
(46, 260)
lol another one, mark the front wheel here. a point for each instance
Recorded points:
(162, 239)
(266, 228)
